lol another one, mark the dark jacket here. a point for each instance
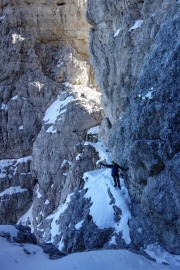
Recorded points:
(114, 168)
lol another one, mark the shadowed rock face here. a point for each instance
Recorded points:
(134, 48)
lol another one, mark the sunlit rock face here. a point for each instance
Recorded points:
(44, 55)
(134, 48)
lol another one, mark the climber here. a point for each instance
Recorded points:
(114, 171)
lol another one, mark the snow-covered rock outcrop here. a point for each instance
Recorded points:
(95, 215)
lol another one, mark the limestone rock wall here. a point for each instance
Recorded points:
(43, 47)
(49, 100)
(134, 47)
(56, 149)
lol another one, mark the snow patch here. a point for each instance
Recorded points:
(21, 127)
(2, 17)
(13, 190)
(25, 173)
(17, 38)
(102, 150)
(24, 159)
(66, 161)
(89, 93)
(14, 98)
(93, 130)
(4, 106)
(59, 64)
(79, 225)
(55, 216)
(67, 84)
(113, 241)
(78, 157)
(27, 218)
(4, 165)
(148, 95)
(12, 256)
(9, 229)
(61, 244)
(139, 230)
(38, 85)
(38, 194)
(54, 111)
(41, 213)
(47, 202)
(162, 256)
(51, 130)
(137, 24)
(8, 167)
(117, 32)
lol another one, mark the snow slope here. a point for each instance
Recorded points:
(13, 256)
(98, 182)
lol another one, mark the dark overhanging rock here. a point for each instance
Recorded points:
(24, 235)
(52, 251)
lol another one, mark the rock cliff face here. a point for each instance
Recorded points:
(44, 64)
(134, 49)
(49, 102)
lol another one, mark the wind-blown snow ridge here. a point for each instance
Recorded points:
(98, 182)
